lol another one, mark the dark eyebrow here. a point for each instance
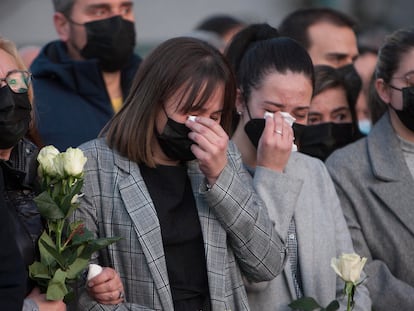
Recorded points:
(279, 105)
(107, 5)
(315, 113)
(337, 55)
(340, 109)
(98, 6)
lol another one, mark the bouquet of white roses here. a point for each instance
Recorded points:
(65, 248)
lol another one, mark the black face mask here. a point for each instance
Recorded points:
(254, 129)
(111, 41)
(406, 115)
(14, 117)
(322, 139)
(174, 141)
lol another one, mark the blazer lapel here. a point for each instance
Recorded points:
(388, 165)
(139, 205)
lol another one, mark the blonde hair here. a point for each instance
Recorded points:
(10, 48)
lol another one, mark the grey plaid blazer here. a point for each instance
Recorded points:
(238, 234)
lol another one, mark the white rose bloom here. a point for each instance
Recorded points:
(46, 158)
(349, 267)
(73, 162)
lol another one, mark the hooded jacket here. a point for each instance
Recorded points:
(71, 100)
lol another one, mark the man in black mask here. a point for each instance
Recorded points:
(81, 80)
(329, 38)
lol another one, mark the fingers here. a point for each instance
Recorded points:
(206, 129)
(275, 144)
(210, 138)
(114, 297)
(106, 287)
(278, 129)
(210, 146)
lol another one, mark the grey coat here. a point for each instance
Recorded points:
(376, 191)
(306, 192)
(238, 234)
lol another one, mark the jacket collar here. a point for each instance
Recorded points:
(388, 164)
(81, 76)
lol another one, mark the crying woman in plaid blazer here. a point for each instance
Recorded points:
(180, 250)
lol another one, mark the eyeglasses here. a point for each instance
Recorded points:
(409, 80)
(17, 80)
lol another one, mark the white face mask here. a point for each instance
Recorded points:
(364, 126)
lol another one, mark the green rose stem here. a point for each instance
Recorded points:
(350, 291)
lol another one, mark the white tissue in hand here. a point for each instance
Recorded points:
(288, 118)
(268, 114)
(94, 270)
(192, 118)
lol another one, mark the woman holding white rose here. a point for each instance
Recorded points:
(18, 161)
(275, 76)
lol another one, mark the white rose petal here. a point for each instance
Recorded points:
(73, 161)
(349, 267)
(94, 270)
(46, 159)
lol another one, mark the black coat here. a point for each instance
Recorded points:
(12, 268)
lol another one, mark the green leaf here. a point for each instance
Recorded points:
(334, 305)
(305, 303)
(38, 270)
(47, 207)
(46, 257)
(96, 245)
(57, 287)
(81, 238)
(53, 252)
(77, 267)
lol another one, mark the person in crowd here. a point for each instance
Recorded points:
(327, 34)
(18, 154)
(165, 178)
(18, 164)
(374, 180)
(81, 80)
(332, 121)
(369, 109)
(223, 25)
(274, 75)
(12, 270)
